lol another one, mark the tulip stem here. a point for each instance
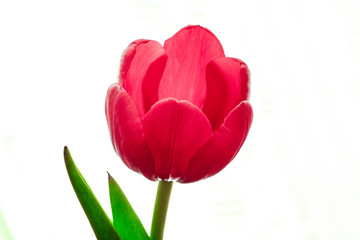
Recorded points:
(160, 210)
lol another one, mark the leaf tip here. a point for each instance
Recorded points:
(111, 179)
(66, 153)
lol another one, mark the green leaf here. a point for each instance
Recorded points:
(100, 222)
(126, 222)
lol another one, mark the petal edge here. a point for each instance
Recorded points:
(127, 132)
(227, 84)
(189, 51)
(138, 59)
(174, 130)
(223, 145)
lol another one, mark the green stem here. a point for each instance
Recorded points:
(160, 210)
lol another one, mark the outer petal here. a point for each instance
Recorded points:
(223, 145)
(174, 130)
(189, 51)
(227, 82)
(142, 58)
(127, 132)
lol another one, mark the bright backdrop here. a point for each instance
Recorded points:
(297, 175)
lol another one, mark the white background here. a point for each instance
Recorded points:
(297, 175)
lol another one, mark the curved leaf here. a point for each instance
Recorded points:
(126, 222)
(100, 222)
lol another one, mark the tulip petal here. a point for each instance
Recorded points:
(174, 130)
(222, 147)
(189, 51)
(150, 87)
(127, 132)
(142, 58)
(227, 82)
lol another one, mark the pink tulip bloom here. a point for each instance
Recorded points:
(180, 111)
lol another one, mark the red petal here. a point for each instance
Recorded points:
(223, 145)
(227, 82)
(189, 51)
(142, 58)
(151, 82)
(174, 130)
(127, 132)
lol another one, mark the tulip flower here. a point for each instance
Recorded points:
(179, 112)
